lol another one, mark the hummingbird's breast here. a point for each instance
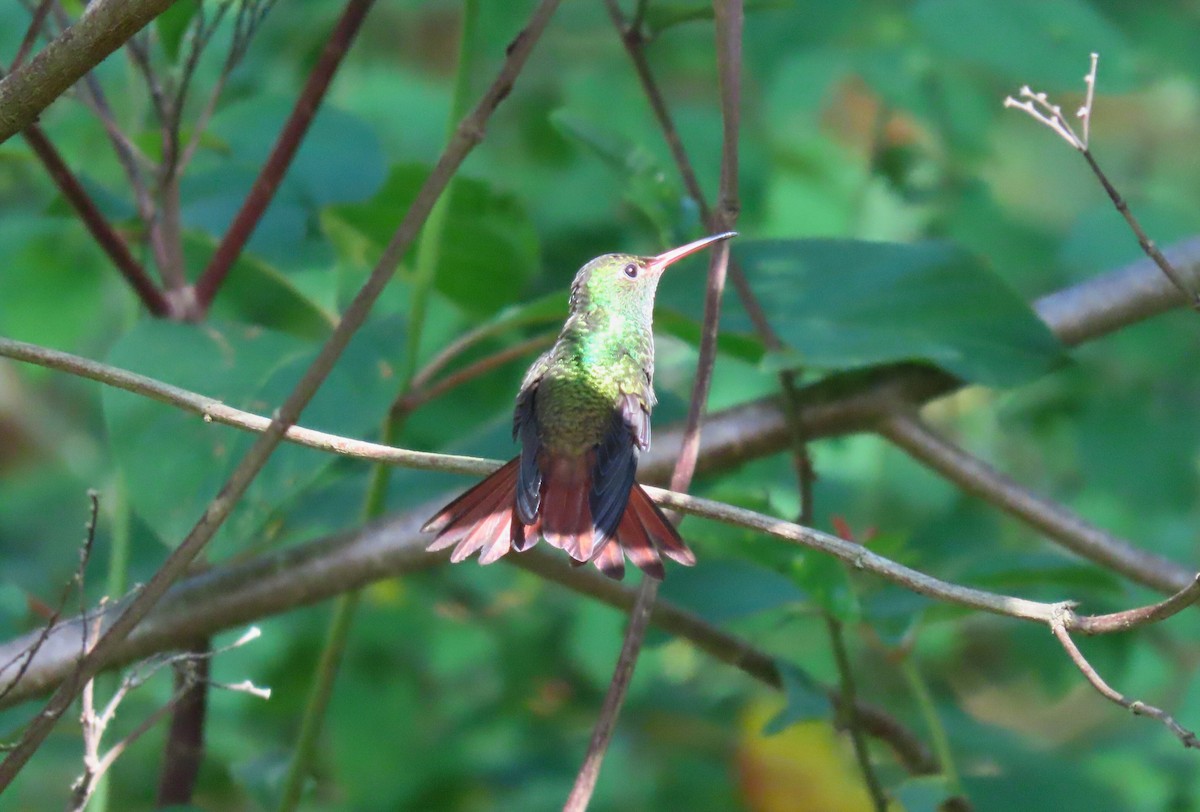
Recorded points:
(583, 384)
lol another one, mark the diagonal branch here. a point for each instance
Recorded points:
(1135, 706)
(286, 145)
(107, 25)
(97, 225)
(907, 431)
(468, 134)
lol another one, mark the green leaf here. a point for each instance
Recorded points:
(730, 589)
(806, 699)
(489, 249)
(173, 24)
(174, 462)
(843, 304)
(257, 293)
(649, 187)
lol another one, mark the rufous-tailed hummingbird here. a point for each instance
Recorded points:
(582, 416)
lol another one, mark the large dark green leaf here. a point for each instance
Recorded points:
(841, 304)
(489, 248)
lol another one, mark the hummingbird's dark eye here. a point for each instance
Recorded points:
(631, 270)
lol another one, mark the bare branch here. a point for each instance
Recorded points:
(1135, 706)
(1042, 110)
(97, 225)
(728, 19)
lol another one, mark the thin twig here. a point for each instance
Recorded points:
(1039, 107)
(728, 23)
(468, 134)
(634, 40)
(847, 715)
(417, 397)
(73, 585)
(1135, 706)
(285, 148)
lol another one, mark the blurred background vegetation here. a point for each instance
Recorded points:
(469, 688)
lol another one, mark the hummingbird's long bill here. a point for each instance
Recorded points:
(661, 261)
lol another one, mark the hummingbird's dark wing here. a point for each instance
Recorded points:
(525, 430)
(616, 464)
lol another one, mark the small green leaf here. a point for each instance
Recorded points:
(806, 699)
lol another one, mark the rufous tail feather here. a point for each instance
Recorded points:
(483, 520)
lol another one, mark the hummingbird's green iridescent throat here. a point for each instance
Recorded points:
(582, 417)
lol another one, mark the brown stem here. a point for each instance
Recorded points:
(634, 41)
(468, 134)
(184, 750)
(1147, 244)
(104, 234)
(1135, 706)
(847, 713)
(282, 153)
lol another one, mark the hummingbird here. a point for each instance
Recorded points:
(582, 417)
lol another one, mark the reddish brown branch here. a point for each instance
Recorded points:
(184, 751)
(96, 224)
(280, 159)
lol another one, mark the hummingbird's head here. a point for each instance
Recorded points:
(627, 282)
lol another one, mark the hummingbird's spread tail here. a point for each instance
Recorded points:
(483, 520)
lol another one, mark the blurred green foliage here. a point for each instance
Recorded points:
(891, 209)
